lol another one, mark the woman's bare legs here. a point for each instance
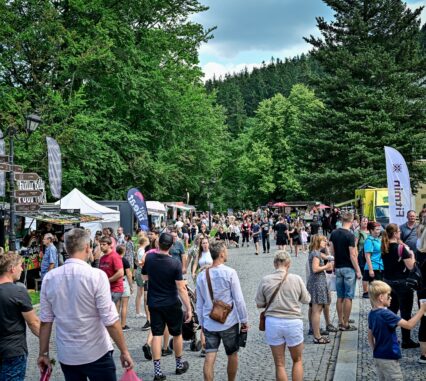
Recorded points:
(279, 360)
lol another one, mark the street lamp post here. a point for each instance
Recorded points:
(32, 121)
(209, 185)
(210, 210)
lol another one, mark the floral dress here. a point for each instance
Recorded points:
(317, 282)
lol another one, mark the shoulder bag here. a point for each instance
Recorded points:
(262, 316)
(414, 279)
(220, 310)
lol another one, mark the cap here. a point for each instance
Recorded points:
(166, 239)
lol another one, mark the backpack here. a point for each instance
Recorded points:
(414, 280)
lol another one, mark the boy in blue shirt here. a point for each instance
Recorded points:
(381, 331)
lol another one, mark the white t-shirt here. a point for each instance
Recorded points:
(205, 259)
(141, 254)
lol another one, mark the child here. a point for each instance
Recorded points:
(381, 331)
(304, 238)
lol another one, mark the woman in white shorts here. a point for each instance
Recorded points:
(284, 320)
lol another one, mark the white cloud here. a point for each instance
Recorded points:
(217, 69)
(212, 69)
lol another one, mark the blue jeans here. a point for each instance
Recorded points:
(102, 369)
(345, 282)
(13, 368)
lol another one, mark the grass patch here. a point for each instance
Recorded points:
(35, 297)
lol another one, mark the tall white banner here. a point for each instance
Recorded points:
(398, 186)
(55, 167)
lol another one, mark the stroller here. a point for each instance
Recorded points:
(189, 330)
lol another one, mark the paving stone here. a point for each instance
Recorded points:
(256, 361)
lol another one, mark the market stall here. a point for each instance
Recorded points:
(106, 217)
(38, 224)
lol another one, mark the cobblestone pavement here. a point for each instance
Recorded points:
(366, 371)
(255, 360)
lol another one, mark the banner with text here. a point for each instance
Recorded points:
(55, 167)
(138, 204)
(399, 187)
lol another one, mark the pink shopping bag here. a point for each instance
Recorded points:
(130, 375)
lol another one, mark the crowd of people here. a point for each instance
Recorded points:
(98, 276)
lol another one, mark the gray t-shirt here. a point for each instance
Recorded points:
(14, 300)
(409, 235)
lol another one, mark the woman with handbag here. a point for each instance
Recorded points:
(202, 261)
(398, 260)
(317, 285)
(281, 294)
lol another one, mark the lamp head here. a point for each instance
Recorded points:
(32, 122)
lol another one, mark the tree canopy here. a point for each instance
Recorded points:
(118, 85)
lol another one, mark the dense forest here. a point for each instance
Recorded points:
(118, 85)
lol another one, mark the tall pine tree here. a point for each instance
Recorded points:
(373, 87)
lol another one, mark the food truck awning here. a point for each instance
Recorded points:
(345, 203)
(58, 218)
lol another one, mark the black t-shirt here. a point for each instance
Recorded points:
(314, 227)
(342, 239)
(394, 268)
(265, 227)
(221, 236)
(281, 229)
(126, 265)
(163, 272)
(14, 300)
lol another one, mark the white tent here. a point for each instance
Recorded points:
(77, 200)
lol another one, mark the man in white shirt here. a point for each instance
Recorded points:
(226, 287)
(77, 297)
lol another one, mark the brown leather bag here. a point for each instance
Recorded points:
(220, 310)
(262, 317)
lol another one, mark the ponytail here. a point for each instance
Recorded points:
(388, 234)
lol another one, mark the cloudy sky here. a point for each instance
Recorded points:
(251, 31)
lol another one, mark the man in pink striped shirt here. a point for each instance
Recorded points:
(77, 297)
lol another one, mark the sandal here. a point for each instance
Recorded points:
(321, 340)
(347, 328)
(331, 328)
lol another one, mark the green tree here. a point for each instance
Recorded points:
(270, 156)
(373, 89)
(118, 85)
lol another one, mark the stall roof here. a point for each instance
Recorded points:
(58, 218)
(179, 205)
(155, 207)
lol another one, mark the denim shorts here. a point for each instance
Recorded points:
(116, 296)
(230, 338)
(138, 277)
(13, 368)
(280, 331)
(345, 282)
